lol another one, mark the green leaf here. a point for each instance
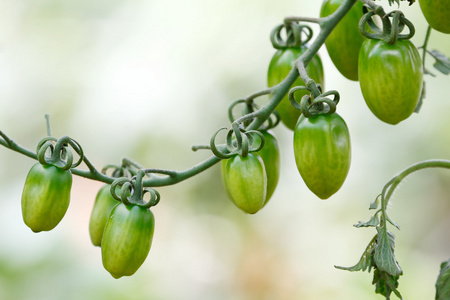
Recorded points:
(366, 261)
(443, 282)
(393, 223)
(384, 253)
(442, 63)
(373, 222)
(385, 284)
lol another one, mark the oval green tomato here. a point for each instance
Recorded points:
(127, 239)
(103, 205)
(345, 40)
(322, 153)
(437, 14)
(245, 181)
(279, 67)
(390, 77)
(270, 154)
(45, 197)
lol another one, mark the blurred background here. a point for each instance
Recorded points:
(147, 79)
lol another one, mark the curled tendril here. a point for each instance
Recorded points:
(294, 33)
(390, 32)
(130, 191)
(59, 156)
(238, 142)
(311, 107)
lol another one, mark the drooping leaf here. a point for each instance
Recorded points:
(373, 222)
(385, 284)
(366, 260)
(442, 63)
(384, 253)
(443, 282)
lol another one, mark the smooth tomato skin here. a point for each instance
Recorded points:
(270, 154)
(345, 40)
(437, 14)
(103, 205)
(390, 77)
(45, 197)
(127, 239)
(279, 67)
(245, 181)
(322, 153)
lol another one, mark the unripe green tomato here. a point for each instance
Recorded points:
(345, 40)
(245, 181)
(45, 197)
(270, 154)
(279, 67)
(390, 77)
(437, 14)
(127, 239)
(103, 205)
(322, 153)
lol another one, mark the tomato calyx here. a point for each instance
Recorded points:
(390, 31)
(53, 151)
(311, 106)
(296, 35)
(131, 191)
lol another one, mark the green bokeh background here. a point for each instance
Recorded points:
(147, 79)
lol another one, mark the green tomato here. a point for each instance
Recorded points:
(127, 239)
(245, 181)
(345, 40)
(45, 197)
(437, 14)
(279, 67)
(390, 77)
(270, 154)
(103, 205)
(322, 153)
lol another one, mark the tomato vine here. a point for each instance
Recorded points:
(123, 224)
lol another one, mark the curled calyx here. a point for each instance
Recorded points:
(131, 191)
(296, 35)
(238, 141)
(311, 105)
(390, 31)
(52, 151)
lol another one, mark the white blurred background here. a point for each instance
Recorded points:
(147, 79)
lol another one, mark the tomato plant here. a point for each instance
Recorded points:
(280, 65)
(127, 239)
(322, 152)
(103, 205)
(245, 181)
(45, 196)
(390, 77)
(344, 42)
